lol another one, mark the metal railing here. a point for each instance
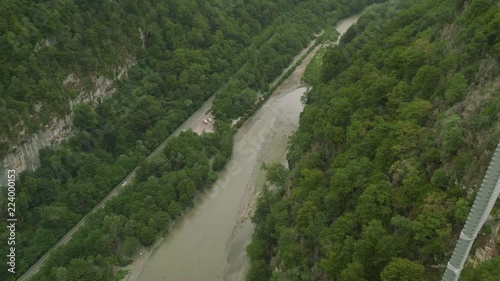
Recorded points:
(483, 204)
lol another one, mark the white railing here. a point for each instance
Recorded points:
(481, 209)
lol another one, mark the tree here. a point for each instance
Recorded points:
(85, 117)
(188, 103)
(440, 179)
(82, 270)
(457, 87)
(375, 203)
(400, 269)
(425, 80)
(258, 271)
(432, 228)
(334, 61)
(113, 225)
(42, 241)
(374, 249)
(147, 235)
(462, 208)
(174, 209)
(417, 110)
(130, 245)
(452, 133)
(276, 174)
(485, 271)
(353, 272)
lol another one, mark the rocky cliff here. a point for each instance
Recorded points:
(24, 154)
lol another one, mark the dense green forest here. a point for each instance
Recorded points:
(394, 140)
(191, 49)
(42, 42)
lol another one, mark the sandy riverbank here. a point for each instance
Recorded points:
(191, 236)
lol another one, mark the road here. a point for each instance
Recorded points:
(190, 123)
(209, 241)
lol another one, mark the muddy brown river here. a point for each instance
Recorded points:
(208, 243)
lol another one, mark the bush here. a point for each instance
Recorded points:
(453, 134)
(212, 177)
(130, 245)
(219, 161)
(456, 89)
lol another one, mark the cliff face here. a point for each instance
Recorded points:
(24, 154)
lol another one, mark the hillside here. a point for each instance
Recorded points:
(182, 53)
(56, 55)
(394, 141)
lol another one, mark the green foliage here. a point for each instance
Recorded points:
(485, 117)
(425, 81)
(312, 72)
(374, 203)
(82, 270)
(452, 133)
(219, 161)
(400, 269)
(276, 174)
(353, 272)
(384, 144)
(440, 179)
(462, 209)
(189, 51)
(85, 117)
(456, 89)
(259, 271)
(231, 102)
(334, 62)
(417, 110)
(486, 271)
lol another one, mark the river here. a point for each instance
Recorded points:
(208, 243)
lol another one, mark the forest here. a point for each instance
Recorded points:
(190, 50)
(394, 141)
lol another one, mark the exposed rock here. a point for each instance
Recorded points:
(143, 37)
(489, 250)
(44, 44)
(24, 155)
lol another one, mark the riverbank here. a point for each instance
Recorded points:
(239, 178)
(273, 149)
(209, 241)
(248, 201)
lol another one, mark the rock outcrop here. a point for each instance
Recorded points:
(24, 155)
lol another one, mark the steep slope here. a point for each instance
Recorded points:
(184, 52)
(394, 141)
(56, 54)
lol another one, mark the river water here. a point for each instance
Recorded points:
(208, 243)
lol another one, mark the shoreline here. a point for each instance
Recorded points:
(253, 186)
